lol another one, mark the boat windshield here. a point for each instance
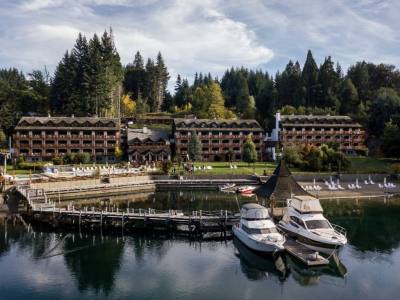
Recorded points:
(318, 224)
(259, 230)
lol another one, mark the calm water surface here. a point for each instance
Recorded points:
(49, 265)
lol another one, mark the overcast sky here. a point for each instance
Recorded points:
(204, 35)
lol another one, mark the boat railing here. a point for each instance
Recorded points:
(339, 229)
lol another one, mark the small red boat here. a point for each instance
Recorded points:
(246, 190)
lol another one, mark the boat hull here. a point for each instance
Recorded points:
(324, 247)
(256, 245)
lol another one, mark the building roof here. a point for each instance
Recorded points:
(321, 120)
(57, 122)
(281, 185)
(147, 134)
(220, 124)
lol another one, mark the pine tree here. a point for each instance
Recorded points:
(310, 79)
(329, 82)
(113, 73)
(289, 85)
(81, 84)
(243, 95)
(349, 98)
(150, 92)
(62, 93)
(135, 77)
(359, 75)
(161, 81)
(99, 93)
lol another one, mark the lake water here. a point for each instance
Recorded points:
(49, 265)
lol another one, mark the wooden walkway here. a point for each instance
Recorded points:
(305, 255)
(196, 223)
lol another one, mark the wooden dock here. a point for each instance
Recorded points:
(197, 223)
(305, 255)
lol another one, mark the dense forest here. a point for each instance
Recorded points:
(90, 80)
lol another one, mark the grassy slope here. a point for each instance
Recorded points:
(370, 165)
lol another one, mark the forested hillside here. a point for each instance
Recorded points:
(90, 80)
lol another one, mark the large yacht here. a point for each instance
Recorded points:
(304, 221)
(257, 230)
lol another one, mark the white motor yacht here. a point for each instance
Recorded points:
(304, 221)
(257, 230)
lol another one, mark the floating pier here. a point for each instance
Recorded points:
(305, 255)
(197, 223)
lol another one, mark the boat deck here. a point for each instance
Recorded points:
(304, 254)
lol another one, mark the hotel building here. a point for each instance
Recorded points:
(42, 138)
(317, 130)
(221, 140)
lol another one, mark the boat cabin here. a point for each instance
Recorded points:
(254, 212)
(305, 204)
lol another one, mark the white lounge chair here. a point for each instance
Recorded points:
(366, 182)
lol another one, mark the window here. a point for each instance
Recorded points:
(297, 221)
(259, 230)
(316, 224)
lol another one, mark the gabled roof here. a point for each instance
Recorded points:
(212, 123)
(325, 120)
(281, 185)
(67, 122)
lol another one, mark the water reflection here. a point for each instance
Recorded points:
(371, 224)
(96, 264)
(257, 266)
(135, 266)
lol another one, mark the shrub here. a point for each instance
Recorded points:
(166, 166)
(82, 158)
(31, 165)
(293, 156)
(58, 160)
(395, 168)
(70, 158)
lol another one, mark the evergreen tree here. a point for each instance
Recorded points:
(39, 90)
(161, 81)
(289, 85)
(62, 92)
(310, 79)
(243, 95)
(87, 81)
(135, 76)
(359, 76)
(329, 82)
(194, 147)
(386, 105)
(349, 96)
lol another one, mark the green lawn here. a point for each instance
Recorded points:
(242, 168)
(370, 165)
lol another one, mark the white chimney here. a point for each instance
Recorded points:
(145, 129)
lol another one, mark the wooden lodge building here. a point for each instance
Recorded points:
(221, 140)
(320, 129)
(42, 138)
(148, 145)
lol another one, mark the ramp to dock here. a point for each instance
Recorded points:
(305, 255)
